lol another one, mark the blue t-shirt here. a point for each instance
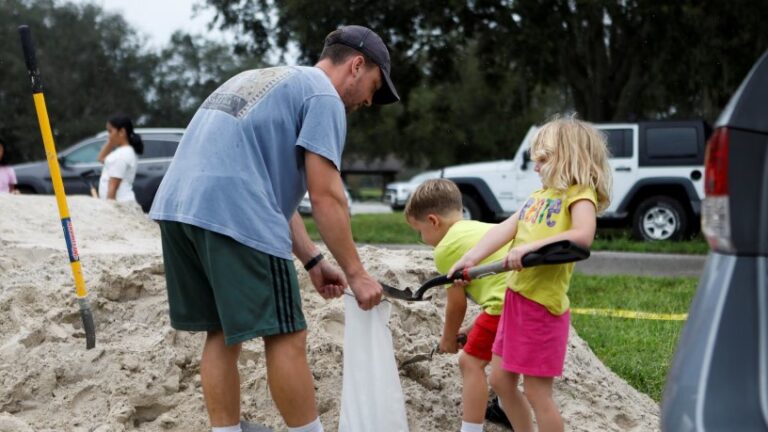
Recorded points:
(239, 168)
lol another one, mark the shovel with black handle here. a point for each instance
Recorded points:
(559, 252)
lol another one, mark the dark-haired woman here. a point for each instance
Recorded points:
(119, 156)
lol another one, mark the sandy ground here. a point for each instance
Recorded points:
(144, 376)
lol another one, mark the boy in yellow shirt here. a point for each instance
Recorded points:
(435, 211)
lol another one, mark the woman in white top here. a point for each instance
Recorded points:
(119, 156)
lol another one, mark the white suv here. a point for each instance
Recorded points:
(657, 178)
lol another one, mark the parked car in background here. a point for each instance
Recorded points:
(397, 193)
(80, 168)
(657, 178)
(718, 380)
(305, 206)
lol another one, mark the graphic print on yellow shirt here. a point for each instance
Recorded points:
(546, 213)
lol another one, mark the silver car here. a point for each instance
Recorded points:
(397, 193)
(80, 168)
(305, 206)
(719, 376)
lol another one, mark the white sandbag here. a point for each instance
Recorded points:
(372, 398)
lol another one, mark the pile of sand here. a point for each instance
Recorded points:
(144, 376)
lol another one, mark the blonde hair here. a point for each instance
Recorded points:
(434, 196)
(573, 152)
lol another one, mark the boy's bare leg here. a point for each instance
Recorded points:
(220, 380)
(290, 379)
(475, 388)
(511, 399)
(538, 390)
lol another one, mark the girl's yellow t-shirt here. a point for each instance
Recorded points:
(546, 213)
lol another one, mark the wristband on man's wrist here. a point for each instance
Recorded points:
(313, 262)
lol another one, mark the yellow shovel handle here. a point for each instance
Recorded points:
(61, 198)
(58, 185)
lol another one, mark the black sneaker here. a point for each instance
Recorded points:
(494, 413)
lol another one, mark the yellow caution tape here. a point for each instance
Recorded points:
(618, 313)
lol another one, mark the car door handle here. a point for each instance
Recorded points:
(623, 169)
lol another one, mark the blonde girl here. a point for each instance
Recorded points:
(572, 161)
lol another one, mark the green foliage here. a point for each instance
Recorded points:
(449, 102)
(190, 68)
(622, 60)
(92, 65)
(640, 351)
(474, 74)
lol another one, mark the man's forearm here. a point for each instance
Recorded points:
(303, 246)
(332, 219)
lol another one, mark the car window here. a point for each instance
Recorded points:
(619, 142)
(673, 142)
(86, 154)
(159, 149)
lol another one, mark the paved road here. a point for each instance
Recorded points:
(642, 264)
(364, 207)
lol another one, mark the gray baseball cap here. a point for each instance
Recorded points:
(369, 43)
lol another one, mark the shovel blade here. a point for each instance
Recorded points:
(402, 294)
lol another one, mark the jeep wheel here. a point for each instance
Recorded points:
(659, 218)
(470, 209)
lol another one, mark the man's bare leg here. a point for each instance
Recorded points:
(290, 379)
(220, 380)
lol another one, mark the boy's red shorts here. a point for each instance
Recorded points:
(480, 338)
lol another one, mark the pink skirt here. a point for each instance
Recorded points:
(529, 339)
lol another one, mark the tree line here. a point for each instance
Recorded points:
(93, 65)
(473, 74)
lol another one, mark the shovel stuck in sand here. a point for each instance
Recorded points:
(58, 186)
(559, 252)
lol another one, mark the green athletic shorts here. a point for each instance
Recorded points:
(217, 283)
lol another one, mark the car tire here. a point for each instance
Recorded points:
(471, 209)
(659, 218)
(26, 190)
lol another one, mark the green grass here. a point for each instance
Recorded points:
(390, 228)
(619, 240)
(369, 193)
(640, 351)
(387, 228)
